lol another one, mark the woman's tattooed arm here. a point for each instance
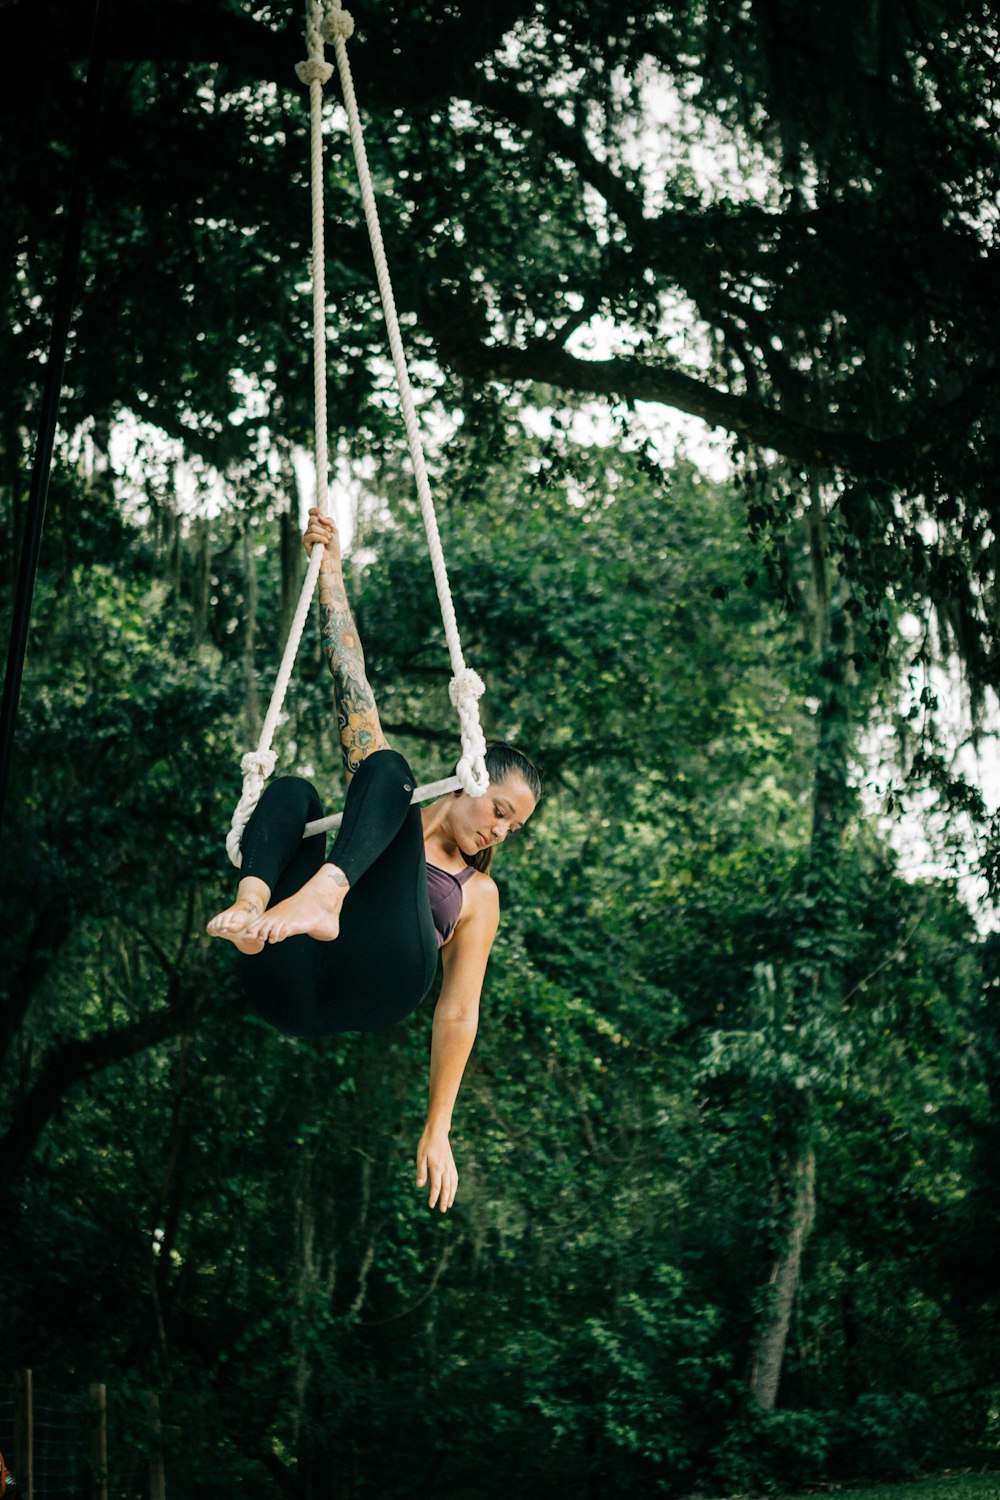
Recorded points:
(357, 715)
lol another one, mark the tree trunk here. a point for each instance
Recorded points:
(832, 800)
(818, 981)
(292, 556)
(786, 1273)
(251, 700)
(201, 582)
(52, 926)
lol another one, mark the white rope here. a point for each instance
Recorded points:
(258, 765)
(466, 686)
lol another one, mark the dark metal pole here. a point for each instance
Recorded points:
(52, 393)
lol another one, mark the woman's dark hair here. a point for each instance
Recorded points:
(503, 760)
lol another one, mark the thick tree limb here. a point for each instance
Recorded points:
(764, 1376)
(72, 1062)
(633, 380)
(627, 379)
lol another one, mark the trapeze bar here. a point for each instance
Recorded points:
(422, 794)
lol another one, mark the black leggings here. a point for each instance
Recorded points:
(384, 961)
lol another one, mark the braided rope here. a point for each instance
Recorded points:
(258, 765)
(466, 686)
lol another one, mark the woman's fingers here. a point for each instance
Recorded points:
(443, 1186)
(438, 1168)
(444, 1189)
(320, 530)
(438, 1193)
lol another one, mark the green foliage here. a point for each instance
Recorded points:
(710, 971)
(770, 1450)
(823, 291)
(888, 1435)
(674, 1007)
(954, 1487)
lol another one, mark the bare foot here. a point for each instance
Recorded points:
(233, 922)
(314, 911)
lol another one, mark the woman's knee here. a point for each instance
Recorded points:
(387, 766)
(294, 792)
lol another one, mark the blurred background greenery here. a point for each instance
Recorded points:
(728, 1141)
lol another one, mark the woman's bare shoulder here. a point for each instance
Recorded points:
(481, 898)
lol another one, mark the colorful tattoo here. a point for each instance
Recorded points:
(360, 731)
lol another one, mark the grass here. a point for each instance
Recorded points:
(960, 1487)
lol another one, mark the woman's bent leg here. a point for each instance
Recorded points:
(276, 860)
(387, 952)
(384, 961)
(272, 846)
(378, 801)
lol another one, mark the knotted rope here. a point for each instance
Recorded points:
(466, 686)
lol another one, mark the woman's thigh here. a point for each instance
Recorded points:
(376, 972)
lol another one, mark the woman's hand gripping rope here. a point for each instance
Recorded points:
(323, 533)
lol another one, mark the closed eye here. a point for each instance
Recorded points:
(509, 815)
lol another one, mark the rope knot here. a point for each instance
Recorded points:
(258, 763)
(256, 766)
(465, 688)
(338, 23)
(472, 773)
(314, 70)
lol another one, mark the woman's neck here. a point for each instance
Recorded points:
(436, 830)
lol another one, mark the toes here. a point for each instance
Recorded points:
(262, 931)
(228, 922)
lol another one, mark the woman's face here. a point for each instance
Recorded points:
(478, 822)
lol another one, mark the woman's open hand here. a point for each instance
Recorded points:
(322, 532)
(436, 1162)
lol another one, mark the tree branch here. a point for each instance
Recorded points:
(634, 380)
(69, 1064)
(625, 379)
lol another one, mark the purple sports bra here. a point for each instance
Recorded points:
(445, 891)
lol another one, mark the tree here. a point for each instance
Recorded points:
(700, 878)
(840, 315)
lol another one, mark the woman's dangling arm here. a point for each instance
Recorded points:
(456, 1020)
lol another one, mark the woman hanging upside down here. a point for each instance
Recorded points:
(349, 941)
